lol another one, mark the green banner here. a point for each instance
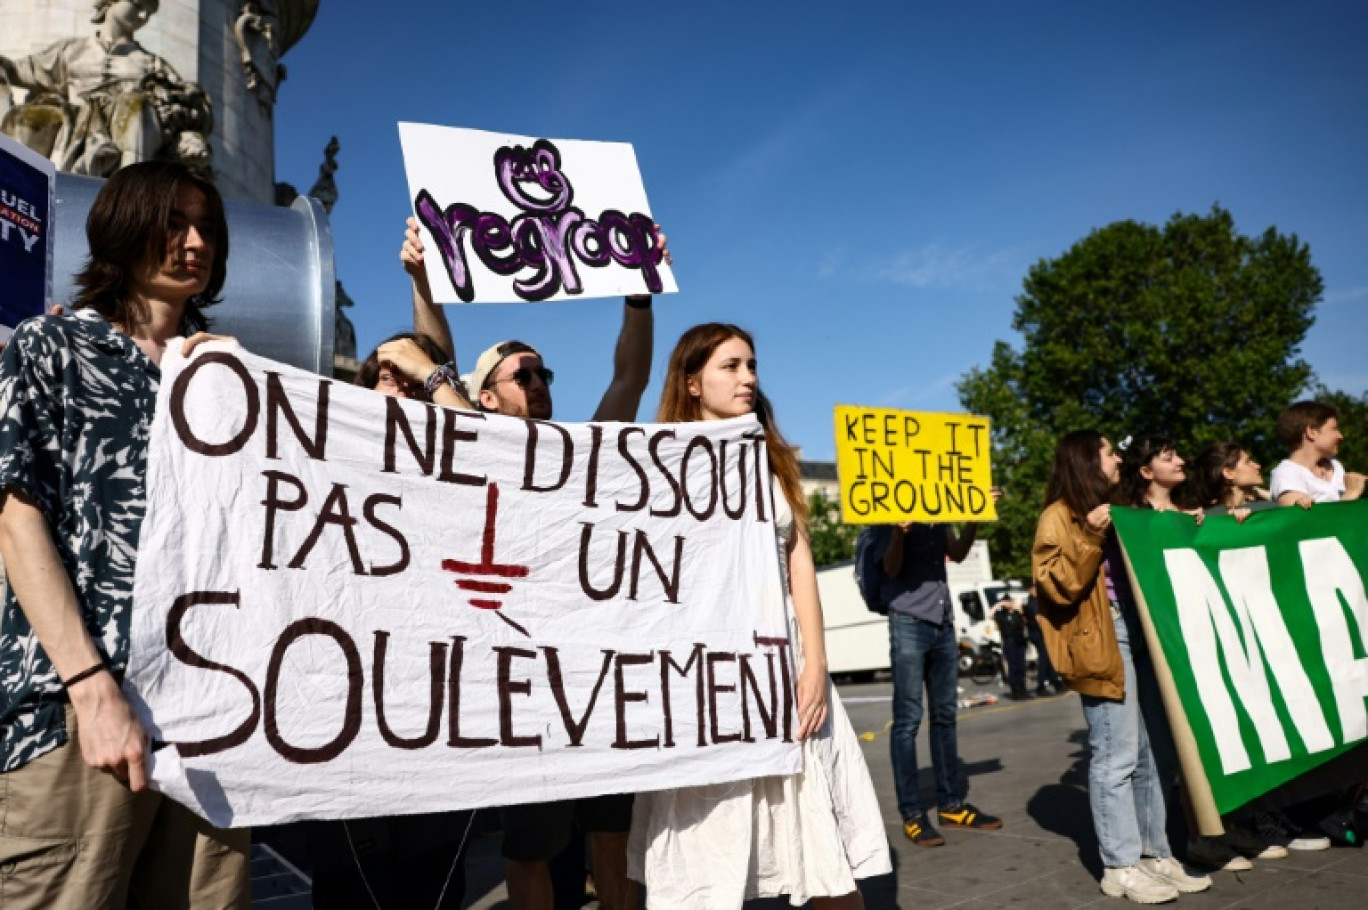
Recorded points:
(1263, 629)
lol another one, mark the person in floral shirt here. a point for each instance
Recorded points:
(78, 826)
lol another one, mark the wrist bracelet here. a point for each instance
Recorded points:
(642, 302)
(83, 675)
(445, 372)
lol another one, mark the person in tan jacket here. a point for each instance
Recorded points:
(1088, 627)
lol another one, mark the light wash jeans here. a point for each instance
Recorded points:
(924, 656)
(1125, 787)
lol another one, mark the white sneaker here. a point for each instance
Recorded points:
(1275, 827)
(1171, 871)
(1210, 853)
(1134, 883)
(1251, 845)
(1309, 843)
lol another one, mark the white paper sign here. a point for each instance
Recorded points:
(352, 605)
(518, 218)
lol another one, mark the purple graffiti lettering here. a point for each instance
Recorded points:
(447, 227)
(546, 238)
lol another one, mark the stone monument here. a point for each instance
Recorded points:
(97, 84)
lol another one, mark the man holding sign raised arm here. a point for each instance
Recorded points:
(925, 659)
(510, 379)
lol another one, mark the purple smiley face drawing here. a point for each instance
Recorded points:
(532, 179)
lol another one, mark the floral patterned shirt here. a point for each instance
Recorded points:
(76, 404)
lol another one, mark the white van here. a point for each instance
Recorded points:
(857, 637)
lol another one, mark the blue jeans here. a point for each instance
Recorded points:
(923, 654)
(1125, 788)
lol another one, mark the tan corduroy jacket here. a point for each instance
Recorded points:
(1075, 614)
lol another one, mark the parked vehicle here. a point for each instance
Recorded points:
(857, 639)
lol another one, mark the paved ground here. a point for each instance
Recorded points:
(1025, 762)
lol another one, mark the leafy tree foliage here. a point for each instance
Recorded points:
(1191, 330)
(831, 540)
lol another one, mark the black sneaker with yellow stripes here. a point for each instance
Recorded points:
(919, 831)
(966, 816)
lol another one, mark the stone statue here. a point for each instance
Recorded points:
(259, 50)
(325, 187)
(98, 103)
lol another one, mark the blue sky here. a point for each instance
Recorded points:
(863, 185)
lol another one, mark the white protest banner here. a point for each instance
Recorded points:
(349, 604)
(26, 189)
(519, 218)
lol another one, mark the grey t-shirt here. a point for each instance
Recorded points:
(920, 588)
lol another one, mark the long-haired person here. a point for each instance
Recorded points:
(1089, 630)
(77, 395)
(809, 836)
(1226, 480)
(1151, 472)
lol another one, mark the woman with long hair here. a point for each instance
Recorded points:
(1228, 481)
(1151, 473)
(1090, 630)
(809, 836)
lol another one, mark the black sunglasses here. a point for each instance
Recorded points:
(523, 377)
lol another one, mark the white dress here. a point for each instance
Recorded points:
(808, 835)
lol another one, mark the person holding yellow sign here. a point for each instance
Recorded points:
(925, 660)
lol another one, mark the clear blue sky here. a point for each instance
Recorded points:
(863, 185)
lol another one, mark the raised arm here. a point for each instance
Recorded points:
(632, 355)
(428, 318)
(893, 550)
(112, 739)
(631, 362)
(959, 543)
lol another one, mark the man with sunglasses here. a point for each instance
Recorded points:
(510, 378)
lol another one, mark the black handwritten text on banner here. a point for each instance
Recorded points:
(353, 605)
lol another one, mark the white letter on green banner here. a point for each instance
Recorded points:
(1262, 634)
(1329, 573)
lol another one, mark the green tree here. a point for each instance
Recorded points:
(1191, 330)
(832, 541)
(1353, 423)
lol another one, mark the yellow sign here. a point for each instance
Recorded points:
(900, 466)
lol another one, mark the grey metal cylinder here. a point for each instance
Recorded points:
(279, 297)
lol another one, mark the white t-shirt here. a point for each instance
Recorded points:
(1290, 477)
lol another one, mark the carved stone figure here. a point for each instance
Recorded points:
(325, 187)
(98, 103)
(259, 50)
